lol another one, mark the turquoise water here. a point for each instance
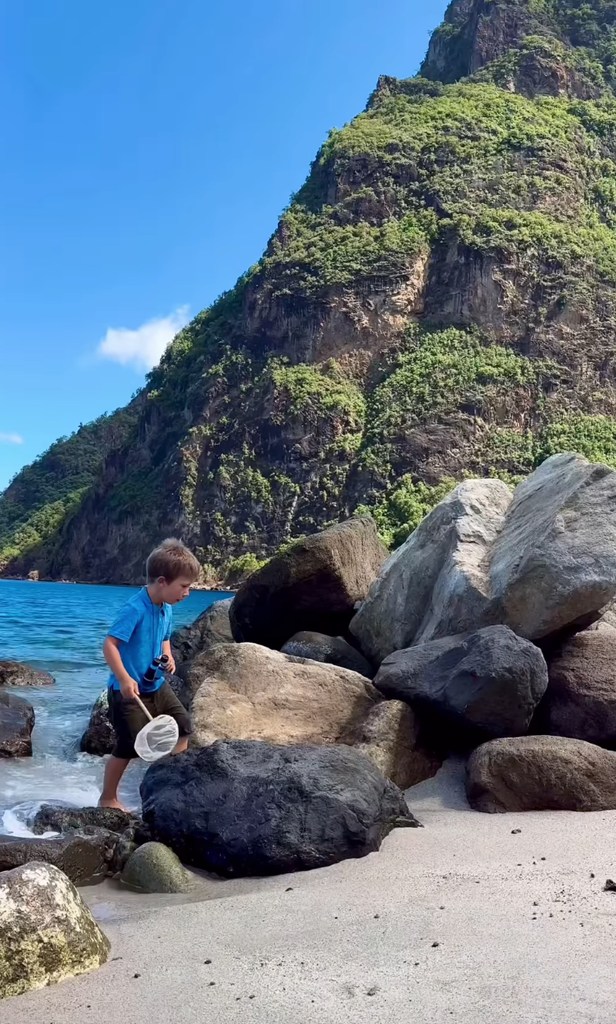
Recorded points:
(60, 627)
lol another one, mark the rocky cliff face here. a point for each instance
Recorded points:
(438, 300)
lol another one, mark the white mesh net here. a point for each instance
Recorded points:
(157, 739)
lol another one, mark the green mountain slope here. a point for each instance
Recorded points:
(438, 300)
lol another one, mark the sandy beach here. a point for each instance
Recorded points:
(461, 921)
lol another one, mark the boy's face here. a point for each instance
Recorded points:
(173, 593)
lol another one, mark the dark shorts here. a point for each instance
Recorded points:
(127, 718)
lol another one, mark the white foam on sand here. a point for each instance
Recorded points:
(466, 920)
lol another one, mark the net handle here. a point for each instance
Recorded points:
(143, 708)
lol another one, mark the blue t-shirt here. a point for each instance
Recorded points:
(141, 626)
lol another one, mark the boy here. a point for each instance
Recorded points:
(139, 634)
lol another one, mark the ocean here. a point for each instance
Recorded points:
(60, 627)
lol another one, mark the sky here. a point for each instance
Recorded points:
(149, 147)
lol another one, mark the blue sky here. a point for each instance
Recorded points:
(149, 147)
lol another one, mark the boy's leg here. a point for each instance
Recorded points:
(166, 703)
(127, 719)
(114, 770)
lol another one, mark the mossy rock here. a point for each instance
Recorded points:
(47, 933)
(153, 867)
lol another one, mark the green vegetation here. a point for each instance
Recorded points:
(441, 371)
(591, 436)
(312, 252)
(316, 393)
(400, 510)
(41, 498)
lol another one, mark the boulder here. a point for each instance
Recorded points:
(250, 692)
(479, 686)
(313, 585)
(541, 773)
(84, 858)
(50, 818)
(251, 808)
(99, 737)
(436, 584)
(253, 693)
(211, 628)
(153, 867)
(14, 673)
(333, 650)
(47, 933)
(554, 562)
(16, 725)
(391, 737)
(581, 698)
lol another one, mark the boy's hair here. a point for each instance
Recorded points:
(172, 559)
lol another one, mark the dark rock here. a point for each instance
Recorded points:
(66, 819)
(581, 698)
(333, 650)
(99, 737)
(313, 585)
(211, 628)
(610, 885)
(15, 673)
(541, 773)
(83, 858)
(16, 724)
(482, 685)
(251, 808)
(181, 683)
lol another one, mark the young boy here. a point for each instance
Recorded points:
(139, 634)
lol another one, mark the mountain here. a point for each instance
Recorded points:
(438, 300)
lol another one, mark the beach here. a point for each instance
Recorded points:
(465, 920)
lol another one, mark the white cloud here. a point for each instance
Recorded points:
(143, 346)
(11, 438)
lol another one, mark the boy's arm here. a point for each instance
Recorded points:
(128, 687)
(167, 651)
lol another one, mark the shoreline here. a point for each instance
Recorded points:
(465, 920)
(92, 583)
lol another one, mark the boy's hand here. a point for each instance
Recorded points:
(171, 664)
(129, 689)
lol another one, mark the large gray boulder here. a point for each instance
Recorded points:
(16, 673)
(314, 585)
(250, 808)
(333, 650)
(479, 686)
(47, 933)
(211, 628)
(554, 561)
(99, 737)
(581, 698)
(437, 583)
(540, 564)
(16, 725)
(541, 773)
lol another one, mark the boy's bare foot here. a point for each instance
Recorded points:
(114, 805)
